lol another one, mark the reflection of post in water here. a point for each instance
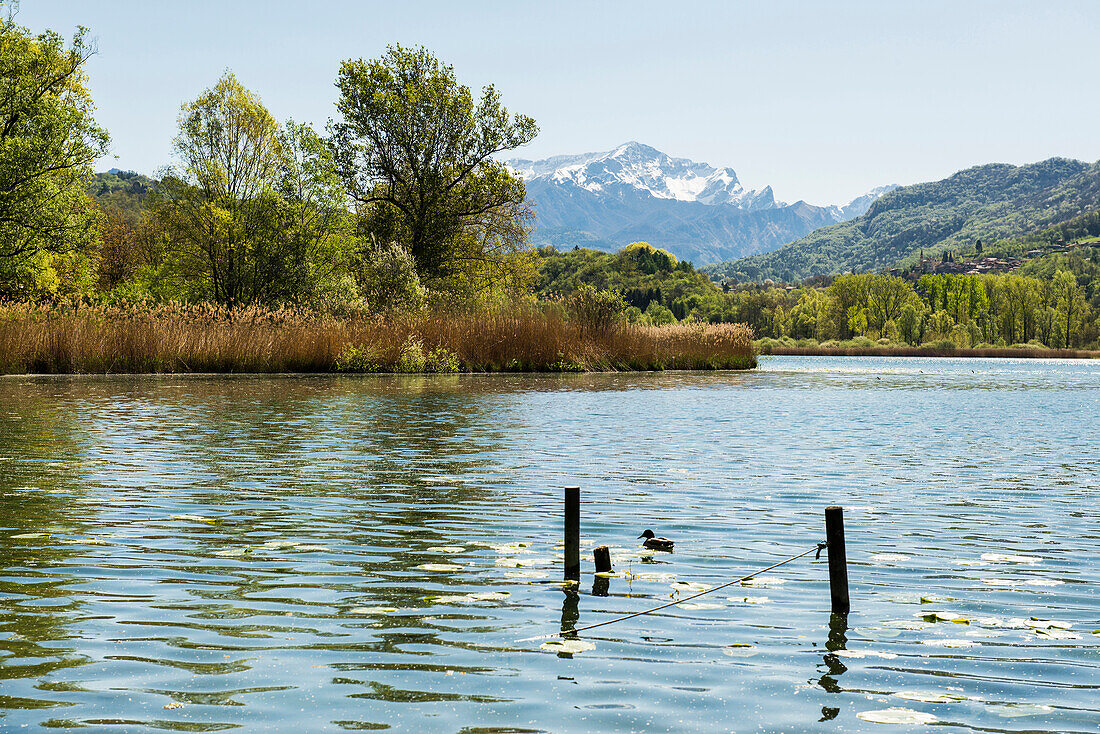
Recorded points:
(600, 585)
(570, 612)
(838, 639)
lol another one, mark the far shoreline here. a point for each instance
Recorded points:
(930, 351)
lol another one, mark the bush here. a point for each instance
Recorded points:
(441, 359)
(354, 358)
(412, 357)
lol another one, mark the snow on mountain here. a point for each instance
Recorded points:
(644, 168)
(635, 192)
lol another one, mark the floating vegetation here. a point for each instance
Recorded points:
(1057, 634)
(446, 549)
(889, 557)
(440, 567)
(1012, 710)
(934, 617)
(84, 541)
(233, 552)
(567, 647)
(28, 536)
(739, 650)
(1038, 623)
(526, 574)
(689, 587)
(522, 562)
(310, 549)
(907, 624)
(950, 642)
(279, 544)
(653, 576)
(930, 696)
(903, 716)
(763, 581)
(1006, 558)
(511, 548)
(844, 653)
(373, 610)
(470, 598)
(195, 518)
(748, 599)
(700, 605)
(1003, 583)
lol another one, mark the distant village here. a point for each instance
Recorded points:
(947, 264)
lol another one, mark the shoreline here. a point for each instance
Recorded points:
(878, 351)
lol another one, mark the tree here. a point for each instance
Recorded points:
(219, 206)
(415, 155)
(1070, 302)
(48, 142)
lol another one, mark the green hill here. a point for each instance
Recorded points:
(988, 203)
(122, 190)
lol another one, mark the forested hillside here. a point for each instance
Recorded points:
(986, 203)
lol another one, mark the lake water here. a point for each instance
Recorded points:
(333, 553)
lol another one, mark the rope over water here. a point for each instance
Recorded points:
(817, 547)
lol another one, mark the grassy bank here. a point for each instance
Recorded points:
(868, 348)
(540, 337)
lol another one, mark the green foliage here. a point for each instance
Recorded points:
(416, 155)
(411, 358)
(354, 358)
(48, 141)
(388, 280)
(987, 203)
(441, 359)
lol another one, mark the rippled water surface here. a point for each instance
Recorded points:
(328, 553)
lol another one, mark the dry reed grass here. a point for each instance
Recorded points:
(207, 338)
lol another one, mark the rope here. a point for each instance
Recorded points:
(818, 547)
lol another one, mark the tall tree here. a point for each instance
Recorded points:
(218, 206)
(48, 142)
(415, 154)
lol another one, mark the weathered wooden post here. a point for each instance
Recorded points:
(838, 559)
(601, 554)
(572, 533)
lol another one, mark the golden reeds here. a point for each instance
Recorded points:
(208, 338)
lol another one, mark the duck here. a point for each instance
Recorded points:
(656, 542)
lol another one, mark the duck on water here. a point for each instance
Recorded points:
(656, 542)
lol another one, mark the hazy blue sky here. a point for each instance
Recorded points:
(822, 100)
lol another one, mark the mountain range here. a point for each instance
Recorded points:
(635, 192)
(988, 203)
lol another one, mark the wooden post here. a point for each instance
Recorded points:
(838, 559)
(572, 533)
(601, 554)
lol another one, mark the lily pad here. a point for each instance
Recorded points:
(1039, 623)
(930, 696)
(310, 548)
(950, 642)
(1007, 558)
(889, 557)
(567, 647)
(907, 624)
(526, 574)
(897, 716)
(739, 650)
(699, 605)
(1012, 710)
(489, 595)
(763, 581)
(22, 536)
(445, 549)
(1057, 634)
(373, 610)
(748, 599)
(689, 587)
(522, 562)
(440, 567)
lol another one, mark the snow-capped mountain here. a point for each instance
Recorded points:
(647, 169)
(694, 210)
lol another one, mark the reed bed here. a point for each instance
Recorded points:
(72, 339)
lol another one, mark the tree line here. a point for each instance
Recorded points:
(398, 197)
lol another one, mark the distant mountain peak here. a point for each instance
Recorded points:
(644, 168)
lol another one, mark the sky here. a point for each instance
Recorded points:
(820, 100)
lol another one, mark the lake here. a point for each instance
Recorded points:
(194, 553)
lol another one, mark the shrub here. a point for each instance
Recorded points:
(441, 359)
(412, 357)
(354, 358)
